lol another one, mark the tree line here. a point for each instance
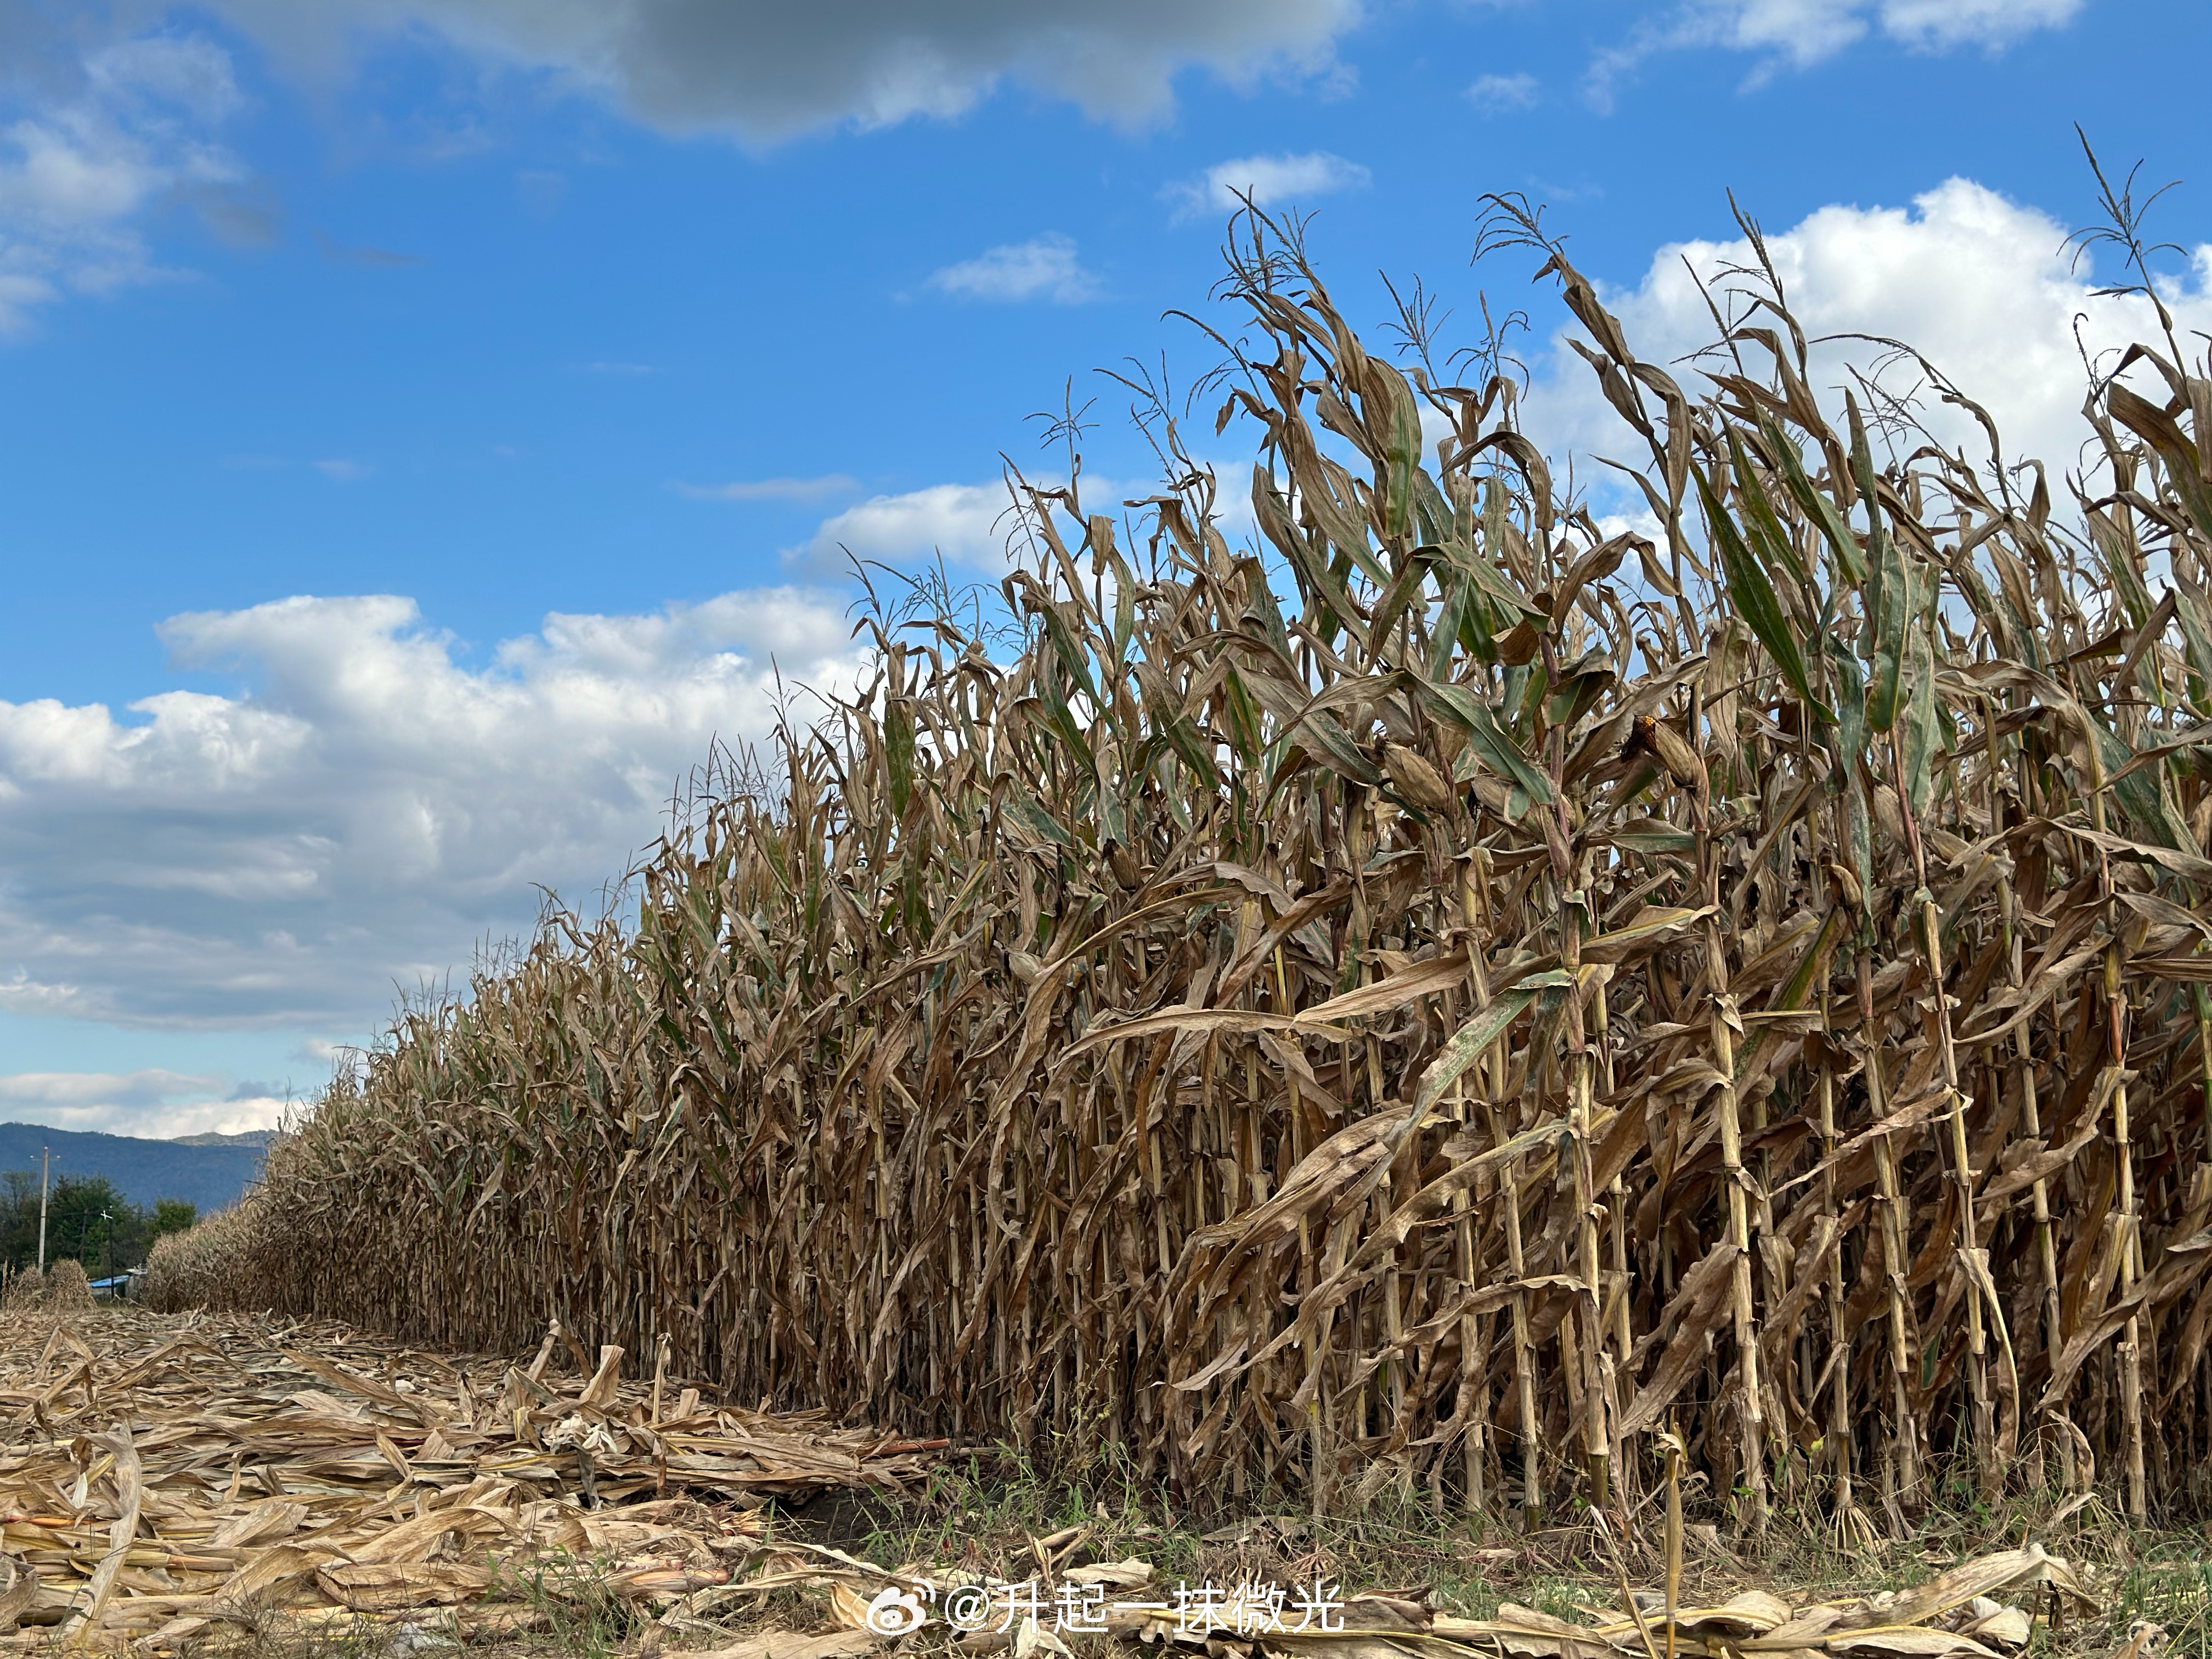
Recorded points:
(86, 1220)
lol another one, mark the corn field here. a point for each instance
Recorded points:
(1440, 1000)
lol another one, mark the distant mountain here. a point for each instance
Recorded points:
(260, 1138)
(209, 1177)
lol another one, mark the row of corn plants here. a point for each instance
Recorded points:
(1440, 998)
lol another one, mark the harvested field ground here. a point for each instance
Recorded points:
(176, 1485)
(159, 1476)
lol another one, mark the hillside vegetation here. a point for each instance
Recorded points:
(85, 1217)
(1447, 997)
(142, 1172)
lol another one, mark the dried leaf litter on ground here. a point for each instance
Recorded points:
(161, 1476)
(159, 1473)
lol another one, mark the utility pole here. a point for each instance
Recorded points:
(46, 1163)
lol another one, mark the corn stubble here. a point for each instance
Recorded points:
(1445, 1000)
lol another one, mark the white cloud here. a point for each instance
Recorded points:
(1978, 284)
(1796, 33)
(157, 1103)
(374, 809)
(764, 71)
(340, 471)
(1043, 268)
(771, 490)
(137, 121)
(1935, 25)
(977, 525)
(966, 523)
(1499, 95)
(138, 125)
(232, 1115)
(63, 1090)
(1267, 179)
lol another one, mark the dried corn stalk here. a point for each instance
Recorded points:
(1430, 996)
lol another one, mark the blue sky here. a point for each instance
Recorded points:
(428, 425)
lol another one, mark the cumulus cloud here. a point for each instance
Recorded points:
(1939, 24)
(159, 1104)
(966, 523)
(1043, 268)
(138, 124)
(1796, 33)
(375, 807)
(977, 525)
(1978, 284)
(1267, 179)
(764, 71)
(1500, 95)
(138, 120)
